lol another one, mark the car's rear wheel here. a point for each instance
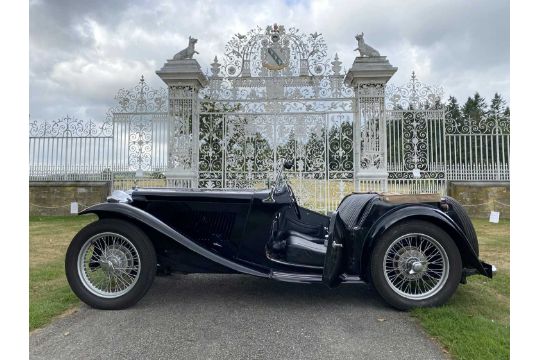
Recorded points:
(415, 264)
(110, 264)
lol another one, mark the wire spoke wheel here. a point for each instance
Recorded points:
(416, 266)
(108, 265)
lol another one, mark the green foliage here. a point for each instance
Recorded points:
(498, 108)
(157, 175)
(476, 115)
(452, 109)
(474, 107)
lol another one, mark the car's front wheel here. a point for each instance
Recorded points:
(110, 264)
(415, 264)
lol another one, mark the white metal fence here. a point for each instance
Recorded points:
(425, 148)
(69, 149)
(478, 149)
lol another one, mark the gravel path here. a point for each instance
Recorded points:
(238, 317)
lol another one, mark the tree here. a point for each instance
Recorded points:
(498, 114)
(472, 118)
(498, 108)
(475, 107)
(452, 109)
(287, 150)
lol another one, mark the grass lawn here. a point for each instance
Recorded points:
(50, 294)
(475, 323)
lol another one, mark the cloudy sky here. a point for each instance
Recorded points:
(82, 52)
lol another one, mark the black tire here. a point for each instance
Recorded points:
(147, 258)
(387, 292)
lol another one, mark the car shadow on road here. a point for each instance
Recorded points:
(253, 291)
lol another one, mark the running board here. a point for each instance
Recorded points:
(311, 278)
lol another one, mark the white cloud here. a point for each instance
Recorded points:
(81, 53)
(93, 79)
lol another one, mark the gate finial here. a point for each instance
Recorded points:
(336, 65)
(216, 66)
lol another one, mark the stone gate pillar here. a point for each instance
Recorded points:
(368, 77)
(184, 79)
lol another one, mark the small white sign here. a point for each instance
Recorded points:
(494, 217)
(74, 207)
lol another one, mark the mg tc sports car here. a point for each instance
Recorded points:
(413, 249)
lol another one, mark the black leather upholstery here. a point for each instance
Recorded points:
(306, 237)
(302, 251)
(310, 250)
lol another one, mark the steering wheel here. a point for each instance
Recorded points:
(294, 203)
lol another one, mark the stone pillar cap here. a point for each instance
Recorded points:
(373, 69)
(183, 72)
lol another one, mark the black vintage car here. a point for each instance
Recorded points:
(413, 249)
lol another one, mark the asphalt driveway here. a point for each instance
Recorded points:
(238, 317)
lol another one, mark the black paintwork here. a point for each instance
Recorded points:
(246, 232)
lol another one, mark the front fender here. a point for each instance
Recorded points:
(436, 216)
(131, 212)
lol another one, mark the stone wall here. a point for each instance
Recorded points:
(54, 198)
(480, 198)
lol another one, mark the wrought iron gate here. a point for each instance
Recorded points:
(241, 151)
(255, 111)
(415, 124)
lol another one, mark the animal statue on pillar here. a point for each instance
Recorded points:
(364, 49)
(188, 52)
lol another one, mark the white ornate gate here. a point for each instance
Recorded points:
(415, 138)
(277, 95)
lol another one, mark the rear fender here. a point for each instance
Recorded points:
(418, 212)
(122, 210)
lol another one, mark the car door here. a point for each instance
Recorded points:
(334, 259)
